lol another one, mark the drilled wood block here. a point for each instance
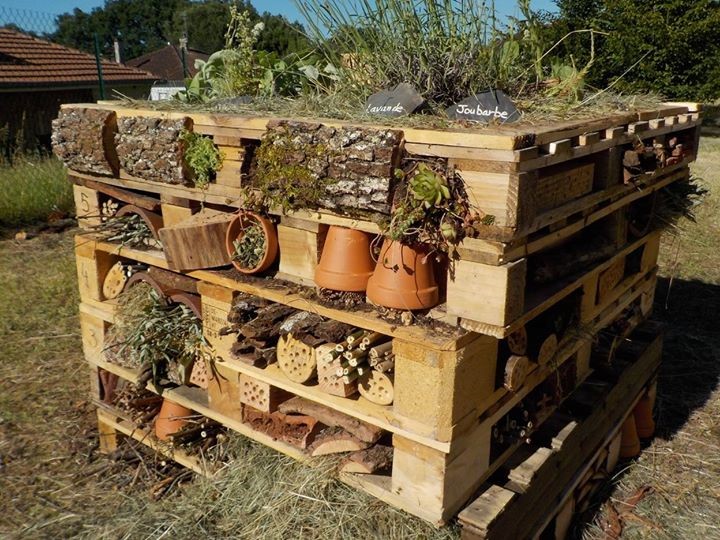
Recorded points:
(260, 395)
(561, 185)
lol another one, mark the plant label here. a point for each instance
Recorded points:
(400, 101)
(493, 106)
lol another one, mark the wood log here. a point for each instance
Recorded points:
(330, 417)
(332, 331)
(547, 350)
(369, 461)
(296, 360)
(517, 341)
(115, 281)
(124, 195)
(263, 326)
(335, 441)
(377, 387)
(516, 370)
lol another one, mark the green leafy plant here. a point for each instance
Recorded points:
(447, 49)
(202, 156)
(431, 207)
(152, 334)
(250, 247)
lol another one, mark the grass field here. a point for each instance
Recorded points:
(53, 482)
(32, 189)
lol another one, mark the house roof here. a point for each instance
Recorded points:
(166, 63)
(26, 61)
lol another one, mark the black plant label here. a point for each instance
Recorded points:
(400, 101)
(493, 106)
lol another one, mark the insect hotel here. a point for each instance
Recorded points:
(460, 314)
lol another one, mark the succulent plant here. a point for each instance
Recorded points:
(429, 187)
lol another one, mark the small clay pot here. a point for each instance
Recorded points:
(404, 278)
(171, 419)
(643, 414)
(152, 220)
(235, 231)
(630, 443)
(346, 262)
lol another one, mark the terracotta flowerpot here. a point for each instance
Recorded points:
(643, 414)
(346, 263)
(188, 299)
(171, 419)
(404, 278)
(235, 231)
(630, 443)
(152, 220)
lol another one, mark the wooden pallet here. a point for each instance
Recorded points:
(542, 483)
(446, 402)
(510, 173)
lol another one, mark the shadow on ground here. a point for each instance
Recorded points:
(690, 368)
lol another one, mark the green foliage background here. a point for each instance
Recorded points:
(143, 26)
(675, 43)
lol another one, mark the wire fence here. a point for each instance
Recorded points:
(36, 23)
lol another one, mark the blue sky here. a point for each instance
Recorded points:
(285, 7)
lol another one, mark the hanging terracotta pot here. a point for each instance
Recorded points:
(346, 262)
(629, 443)
(404, 278)
(171, 419)
(242, 222)
(643, 414)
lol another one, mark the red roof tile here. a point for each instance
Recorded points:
(166, 63)
(29, 61)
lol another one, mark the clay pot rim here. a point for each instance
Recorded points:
(271, 244)
(192, 301)
(152, 220)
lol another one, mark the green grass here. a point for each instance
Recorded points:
(33, 188)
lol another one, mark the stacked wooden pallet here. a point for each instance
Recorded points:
(447, 397)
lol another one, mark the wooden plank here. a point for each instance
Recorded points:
(197, 241)
(87, 206)
(493, 295)
(143, 201)
(300, 251)
(438, 389)
(565, 467)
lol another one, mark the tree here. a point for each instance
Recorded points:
(146, 25)
(669, 46)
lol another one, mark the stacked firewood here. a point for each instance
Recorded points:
(644, 157)
(260, 325)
